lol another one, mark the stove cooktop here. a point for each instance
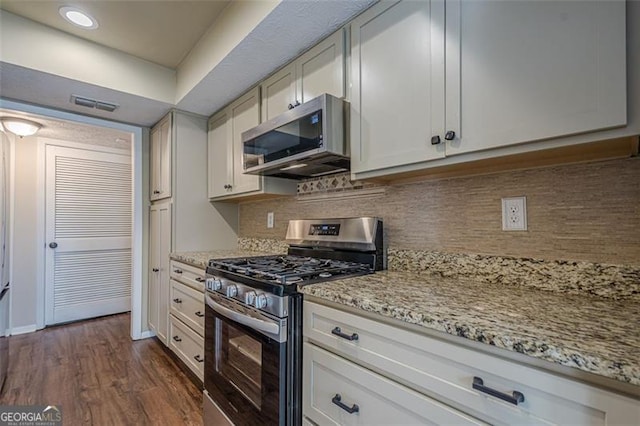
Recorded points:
(289, 269)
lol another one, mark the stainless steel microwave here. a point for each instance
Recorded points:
(306, 141)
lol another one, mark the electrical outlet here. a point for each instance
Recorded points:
(514, 214)
(270, 220)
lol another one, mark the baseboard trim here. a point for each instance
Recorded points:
(146, 334)
(24, 329)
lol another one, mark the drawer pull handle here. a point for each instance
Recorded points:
(177, 300)
(177, 271)
(199, 314)
(198, 358)
(339, 333)
(515, 398)
(338, 401)
(200, 280)
(177, 339)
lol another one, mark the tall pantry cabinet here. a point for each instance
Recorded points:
(180, 215)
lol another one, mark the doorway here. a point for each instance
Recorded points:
(88, 232)
(33, 317)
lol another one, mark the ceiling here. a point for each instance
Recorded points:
(162, 32)
(74, 132)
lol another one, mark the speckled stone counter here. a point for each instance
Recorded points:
(199, 259)
(597, 335)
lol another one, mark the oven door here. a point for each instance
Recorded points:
(245, 362)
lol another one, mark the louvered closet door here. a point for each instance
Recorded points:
(88, 228)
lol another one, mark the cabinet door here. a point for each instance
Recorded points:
(278, 92)
(245, 114)
(159, 250)
(164, 285)
(520, 71)
(339, 392)
(154, 166)
(220, 155)
(154, 269)
(397, 73)
(321, 69)
(160, 155)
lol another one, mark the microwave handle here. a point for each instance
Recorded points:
(265, 326)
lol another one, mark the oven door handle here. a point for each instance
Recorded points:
(265, 326)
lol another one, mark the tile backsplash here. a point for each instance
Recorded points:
(579, 212)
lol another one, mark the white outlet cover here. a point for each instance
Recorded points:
(514, 214)
(270, 220)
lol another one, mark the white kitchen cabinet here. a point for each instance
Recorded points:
(522, 71)
(319, 70)
(490, 75)
(186, 319)
(227, 179)
(220, 155)
(187, 305)
(160, 154)
(397, 76)
(159, 250)
(188, 275)
(279, 92)
(343, 393)
(188, 346)
(186, 221)
(445, 372)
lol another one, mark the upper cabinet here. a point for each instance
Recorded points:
(397, 93)
(319, 70)
(522, 71)
(226, 178)
(160, 153)
(437, 79)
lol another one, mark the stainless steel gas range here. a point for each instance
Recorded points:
(253, 318)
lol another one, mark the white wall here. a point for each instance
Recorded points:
(31, 45)
(23, 286)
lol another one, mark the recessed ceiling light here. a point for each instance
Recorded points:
(78, 17)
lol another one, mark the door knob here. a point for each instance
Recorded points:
(435, 140)
(53, 245)
(449, 135)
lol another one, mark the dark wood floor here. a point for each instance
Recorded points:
(100, 376)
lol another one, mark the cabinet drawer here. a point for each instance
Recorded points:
(188, 345)
(446, 371)
(187, 274)
(187, 304)
(338, 386)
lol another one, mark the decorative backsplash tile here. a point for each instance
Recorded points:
(569, 212)
(265, 245)
(332, 183)
(583, 278)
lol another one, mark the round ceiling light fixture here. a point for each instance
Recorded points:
(78, 17)
(20, 126)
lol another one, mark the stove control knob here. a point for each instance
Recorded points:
(260, 301)
(213, 284)
(232, 290)
(249, 297)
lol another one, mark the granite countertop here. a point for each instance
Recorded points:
(199, 259)
(597, 335)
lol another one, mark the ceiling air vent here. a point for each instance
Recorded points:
(92, 103)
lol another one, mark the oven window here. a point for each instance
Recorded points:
(238, 358)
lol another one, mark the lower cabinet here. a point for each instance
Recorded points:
(186, 316)
(187, 345)
(159, 249)
(343, 393)
(460, 384)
